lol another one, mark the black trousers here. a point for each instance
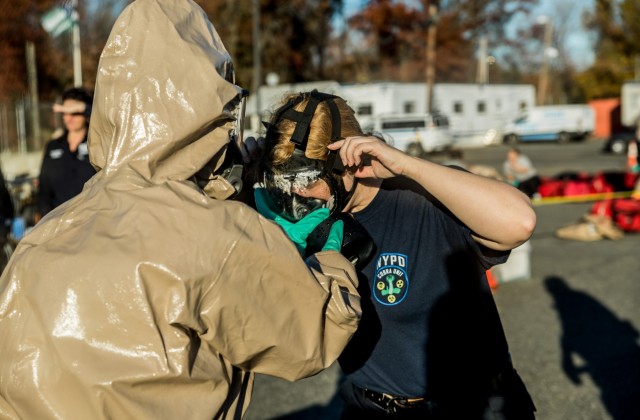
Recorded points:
(530, 186)
(510, 400)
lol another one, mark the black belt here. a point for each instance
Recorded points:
(394, 404)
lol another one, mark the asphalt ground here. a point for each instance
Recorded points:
(573, 326)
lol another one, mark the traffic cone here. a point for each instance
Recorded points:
(632, 156)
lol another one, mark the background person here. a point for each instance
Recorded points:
(520, 172)
(150, 295)
(65, 164)
(6, 207)
(430, 344)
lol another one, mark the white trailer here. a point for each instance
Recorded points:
(630, 103)
(476, 112)
(561, 123)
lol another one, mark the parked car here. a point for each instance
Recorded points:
(618, 142)
(414, 134)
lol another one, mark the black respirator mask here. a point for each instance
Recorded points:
(300, 172)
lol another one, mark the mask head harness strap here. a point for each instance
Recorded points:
(333, 167)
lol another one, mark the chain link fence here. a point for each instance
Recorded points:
(24, 129)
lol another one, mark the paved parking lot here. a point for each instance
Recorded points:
(573, 327)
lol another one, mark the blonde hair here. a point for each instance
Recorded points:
(319, 130)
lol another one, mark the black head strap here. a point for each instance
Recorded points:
(333, 167)
(303, 119)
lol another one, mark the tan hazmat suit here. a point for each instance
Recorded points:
(143, 297)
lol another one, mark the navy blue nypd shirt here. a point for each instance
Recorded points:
(429, 323)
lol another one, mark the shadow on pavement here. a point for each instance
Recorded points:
(317, 412)
(596, 343)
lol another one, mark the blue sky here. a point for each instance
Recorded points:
(577, 40)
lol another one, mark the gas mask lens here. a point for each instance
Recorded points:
(283, 190)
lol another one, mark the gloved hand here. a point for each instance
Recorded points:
(299, 231)
(336, 236)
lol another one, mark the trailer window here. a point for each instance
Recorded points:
(409, 107)
(365, 109)
(457, 107)
(481, 107)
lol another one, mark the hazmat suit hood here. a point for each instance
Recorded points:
(165, 98)
(145, 297)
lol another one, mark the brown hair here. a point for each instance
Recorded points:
(280, 145)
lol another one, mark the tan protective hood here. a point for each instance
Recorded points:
(164, 97)
(143, 297)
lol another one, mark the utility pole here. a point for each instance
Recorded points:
(257, 59)
(482, 72)
(432, 22)
(543, 80)
(32, 76)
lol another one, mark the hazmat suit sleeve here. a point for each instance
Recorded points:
(280, 316)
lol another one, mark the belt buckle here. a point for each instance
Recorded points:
(407, 403)
(391, 403)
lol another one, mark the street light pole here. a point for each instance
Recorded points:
(257, 58)
(544, 71)
(77, 63)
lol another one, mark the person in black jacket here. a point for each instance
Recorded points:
(65, 165)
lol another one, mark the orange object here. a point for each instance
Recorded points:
(607, 117)
(493, 281)
(632, 156)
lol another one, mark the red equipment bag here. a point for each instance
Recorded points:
(626, 214)
(577, 187)
(551, 187)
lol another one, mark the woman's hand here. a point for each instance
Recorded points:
(370, 157)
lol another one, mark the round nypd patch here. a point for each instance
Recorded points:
(391, 283)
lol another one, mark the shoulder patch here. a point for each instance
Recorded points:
(83, 151)
(56, 153)
(391, 282)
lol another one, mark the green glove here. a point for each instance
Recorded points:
(297, 231)
(336, 234)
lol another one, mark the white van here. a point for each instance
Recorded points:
(412, 133)
(561, 123)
